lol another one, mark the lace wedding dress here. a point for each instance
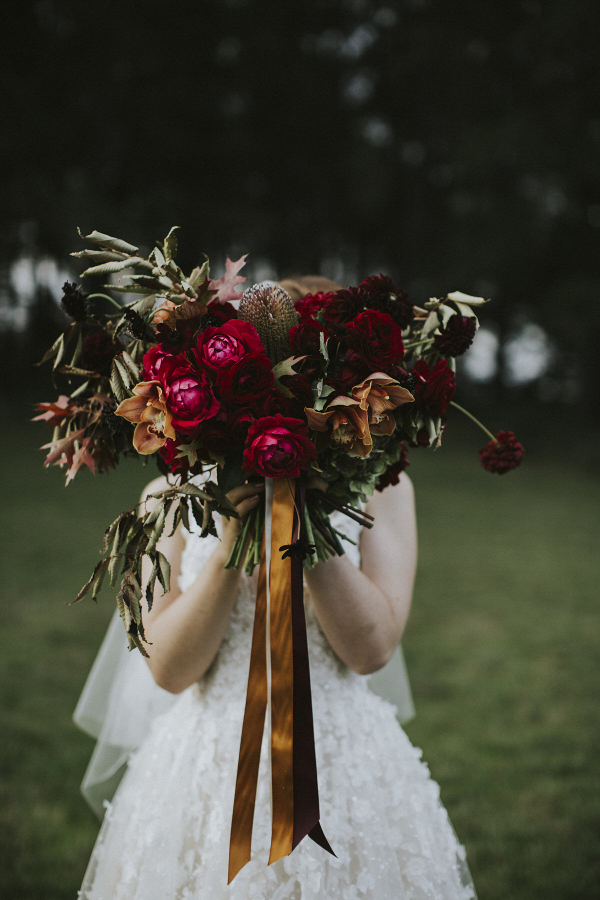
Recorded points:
(166, 835)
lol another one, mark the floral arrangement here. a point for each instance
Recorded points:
(221, 386)
(341, 384)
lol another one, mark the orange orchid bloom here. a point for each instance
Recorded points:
(349, 425)
(148, 409)
(378, 395)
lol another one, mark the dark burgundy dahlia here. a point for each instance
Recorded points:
(502, 454)
(457, 336)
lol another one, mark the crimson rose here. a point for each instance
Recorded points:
(246, 381)
(278, 447)
(312, 303)
(434, 388)
(375, 339)
(502, 454)
(215, 437)
(153, 361)
(189, 397)
(305, 338)
(222, 346)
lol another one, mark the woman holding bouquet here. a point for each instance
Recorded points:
(166, 835)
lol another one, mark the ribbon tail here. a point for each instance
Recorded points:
(282, 676)
(252, 732)
(319, 838)
(306, 787)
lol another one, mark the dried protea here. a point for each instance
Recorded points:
(271, 310)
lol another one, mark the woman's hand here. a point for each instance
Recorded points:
(245, 498)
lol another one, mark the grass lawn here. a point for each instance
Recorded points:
(503, 651)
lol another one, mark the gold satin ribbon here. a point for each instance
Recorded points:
(282, 674)
(257, 697)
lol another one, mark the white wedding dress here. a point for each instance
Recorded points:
(166, 834)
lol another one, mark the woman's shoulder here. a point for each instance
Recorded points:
(393, 499)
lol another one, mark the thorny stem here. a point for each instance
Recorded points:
(472, 417)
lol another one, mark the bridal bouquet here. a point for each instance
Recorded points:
(221, 386)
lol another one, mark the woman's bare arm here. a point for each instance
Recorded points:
(363, 611)
(186, 634)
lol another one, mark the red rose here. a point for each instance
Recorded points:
(240, 423)
(189, 397)
(305, 338)
(456, 338)
(222, 346)
(247, 381)
(434, 388)
(502, 454)
(153, 361)
(215, 437)
(375, 339)
(392, 473)
(278, 447)
(312, 303)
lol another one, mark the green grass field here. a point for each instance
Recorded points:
(503, 651)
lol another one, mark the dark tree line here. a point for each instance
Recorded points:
(454, 145)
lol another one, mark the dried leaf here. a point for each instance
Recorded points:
(199, 275)
(164, 572)
(100, 579)
(170, 243)
(108, 268)
(225, 286)
(100, 256)
(108, 242)
(90, 583)
(116, 382)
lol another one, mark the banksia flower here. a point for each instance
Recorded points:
(271, 310)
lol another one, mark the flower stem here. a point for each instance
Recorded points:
(105, 297)
(472, 417)
(418, 343)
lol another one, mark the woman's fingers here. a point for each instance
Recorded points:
(239, 494)
(248, 505)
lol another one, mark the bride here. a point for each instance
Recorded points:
(165, 836)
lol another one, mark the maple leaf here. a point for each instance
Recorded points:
(54, 413)
(63, 449)
(225, 286)
(81, 457)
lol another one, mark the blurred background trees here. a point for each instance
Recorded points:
(450, 145)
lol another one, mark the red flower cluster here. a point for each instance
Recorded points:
(434, 388)
(503, 454)
(219, 393)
